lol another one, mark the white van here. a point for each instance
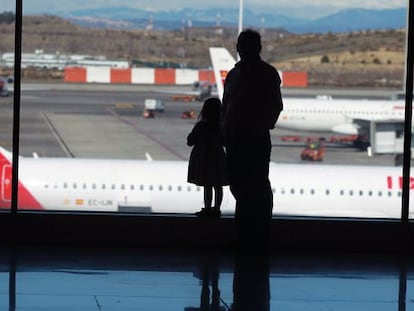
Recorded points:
(154, 105)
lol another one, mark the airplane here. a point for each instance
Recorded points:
(105, 185)
(320, 114)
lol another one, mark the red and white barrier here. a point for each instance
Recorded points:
(166, 76)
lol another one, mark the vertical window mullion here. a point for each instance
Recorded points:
(16, 102)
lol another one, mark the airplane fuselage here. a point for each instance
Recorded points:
(336, 115)
(161, 187)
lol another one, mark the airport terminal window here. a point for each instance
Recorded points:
(54, 121)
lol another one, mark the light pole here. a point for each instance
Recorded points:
(240, 22)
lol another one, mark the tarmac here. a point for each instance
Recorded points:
(105, 121)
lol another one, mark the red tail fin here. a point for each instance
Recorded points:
(25, 199)
(5, 179)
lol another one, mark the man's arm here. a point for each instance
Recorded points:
(275, 101)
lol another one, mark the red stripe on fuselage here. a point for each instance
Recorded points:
(25, 199)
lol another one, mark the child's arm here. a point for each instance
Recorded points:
(192, 137)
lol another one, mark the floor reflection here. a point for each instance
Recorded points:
(122, 279)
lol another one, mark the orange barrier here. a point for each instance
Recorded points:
(206, 75)
(295, 79)
(164, 76)
(75, 74)
(121, 76)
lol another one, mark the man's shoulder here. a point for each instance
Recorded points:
(268, 66)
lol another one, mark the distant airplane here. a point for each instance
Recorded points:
(67, 184)
(321, 114)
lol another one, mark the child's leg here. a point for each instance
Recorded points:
(218, 196)
(208, 196)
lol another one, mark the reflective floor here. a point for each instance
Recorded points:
(133, 279)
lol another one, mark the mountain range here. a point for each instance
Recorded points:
(342, 21)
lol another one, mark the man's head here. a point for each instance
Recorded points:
(248, 44)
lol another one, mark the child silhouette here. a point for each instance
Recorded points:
(207, 160)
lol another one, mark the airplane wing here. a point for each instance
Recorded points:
(362, 126)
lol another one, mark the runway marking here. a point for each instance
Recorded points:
(144, 133)
(54, 131)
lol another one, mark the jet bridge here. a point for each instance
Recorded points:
(387, 137)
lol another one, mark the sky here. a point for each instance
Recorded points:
(300, 8)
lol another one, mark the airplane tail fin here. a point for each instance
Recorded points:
(222, 62)
(5, 155)
(5, 178)
(26, 199)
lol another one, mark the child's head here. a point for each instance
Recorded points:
(211, 110)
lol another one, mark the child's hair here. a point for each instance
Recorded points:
(211, 110)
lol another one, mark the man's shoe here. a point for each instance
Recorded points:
(215, 212)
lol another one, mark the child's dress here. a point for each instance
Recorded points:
(207, 165)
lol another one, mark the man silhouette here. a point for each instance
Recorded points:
(252, 103)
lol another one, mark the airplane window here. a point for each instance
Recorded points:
(93, 186)
(301, 191)
(179, 188)
(351, 192)
(132, 187)
(327, 192)
(55, 185)
(292, 191)
(151, 188)
(282, 191)
(273, 190)
(113, 187)
(312, 191)
(361, 193)
(170, 188)
(75, 186)
(122, 187)
(65, 185)
(141, 187)
(160, 188)
(389, 193)
(380, 193)
(46, 186)
(399, 193)
(341, 192)
(370, 193)
(188, 188)
(103, 186)
(84, 186)
(198, 188)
